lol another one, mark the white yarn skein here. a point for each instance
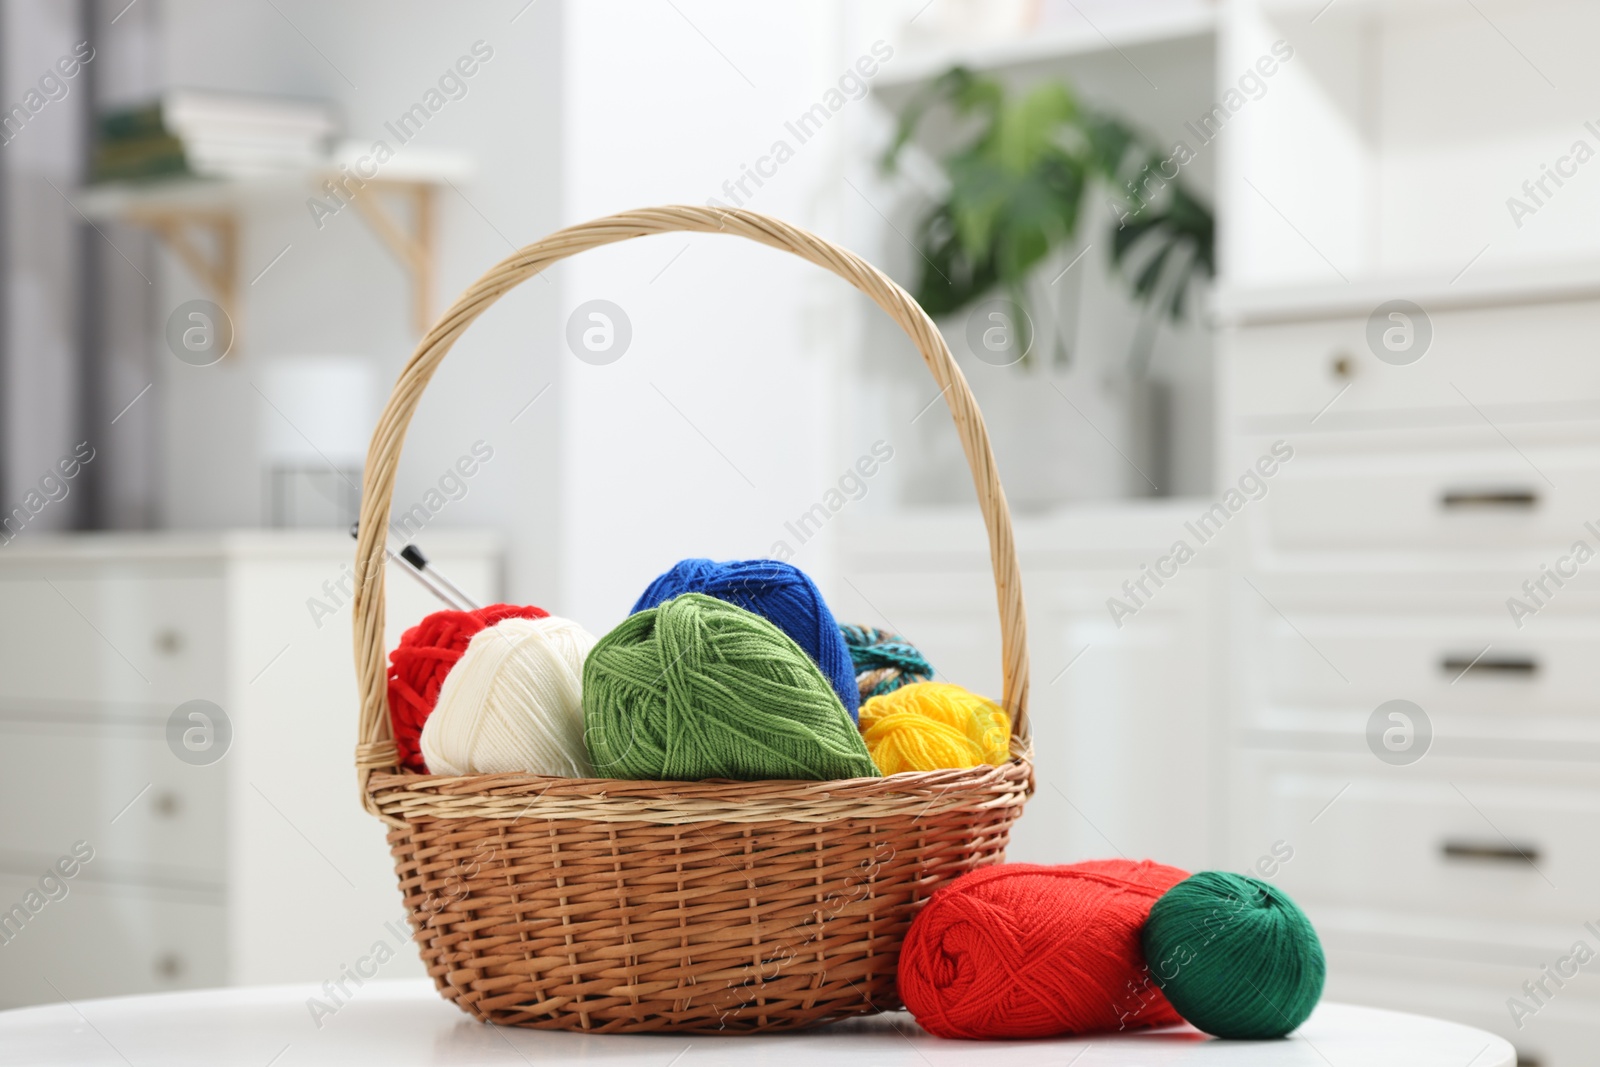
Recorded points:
(513, 703)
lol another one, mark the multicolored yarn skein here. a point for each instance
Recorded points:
(698, 688)
(778, 592)
(929, 726)
(883, 661)
(1022, 950)
(419, 664)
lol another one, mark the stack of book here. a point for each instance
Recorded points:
(212, 135)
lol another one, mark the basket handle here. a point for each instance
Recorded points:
(375, 750)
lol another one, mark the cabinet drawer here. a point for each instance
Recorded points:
(1326, 667)
(111, 635)
(104, 939)
(1470, 492)
(1466, 839)
(1483, 356)
(147, 813)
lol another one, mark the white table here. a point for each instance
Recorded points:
(401, 1023)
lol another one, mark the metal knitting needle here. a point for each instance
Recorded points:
(413, 555)
(429, 582)
(416, 565)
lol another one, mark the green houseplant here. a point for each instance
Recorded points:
(1019, 183)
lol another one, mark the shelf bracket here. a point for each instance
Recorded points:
(412, 247)
(217, 268)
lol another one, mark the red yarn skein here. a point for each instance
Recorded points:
(1024, 950)
(419, 663)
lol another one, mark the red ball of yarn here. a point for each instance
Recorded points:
(1024, 950)
(419, 663)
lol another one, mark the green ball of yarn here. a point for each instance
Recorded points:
(1235, 956)
(699, 688)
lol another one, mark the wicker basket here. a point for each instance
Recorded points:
(702, 907)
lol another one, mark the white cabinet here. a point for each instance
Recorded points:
(1345, 642)
(258, 866)
(1424, 503)
(1470, 843)
(74, 776)
(110, 633)
(1433, 490)
(108, 938)
(1289, 362)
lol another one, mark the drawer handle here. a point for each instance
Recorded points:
(1500, 666)
(1489, 499)
(1492, 853)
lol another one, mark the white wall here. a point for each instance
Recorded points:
(584, 111)
(38, 393)
(736, 348)
(1294, 173)
(1469, 116)
(337, 291)
(1393, 141)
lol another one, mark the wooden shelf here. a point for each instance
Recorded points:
(198, 218)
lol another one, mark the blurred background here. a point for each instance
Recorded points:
(1281, 315)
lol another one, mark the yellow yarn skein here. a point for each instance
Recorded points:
(930, 726)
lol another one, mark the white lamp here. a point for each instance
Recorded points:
(314, 437)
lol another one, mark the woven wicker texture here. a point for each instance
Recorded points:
(631, 906)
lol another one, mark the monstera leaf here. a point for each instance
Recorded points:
(1017, 185)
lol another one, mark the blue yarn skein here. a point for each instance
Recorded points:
(778, 592)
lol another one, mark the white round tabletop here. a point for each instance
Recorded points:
(400, 1023)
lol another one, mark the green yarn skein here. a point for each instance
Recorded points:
(1235, 956)
(699, 688)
